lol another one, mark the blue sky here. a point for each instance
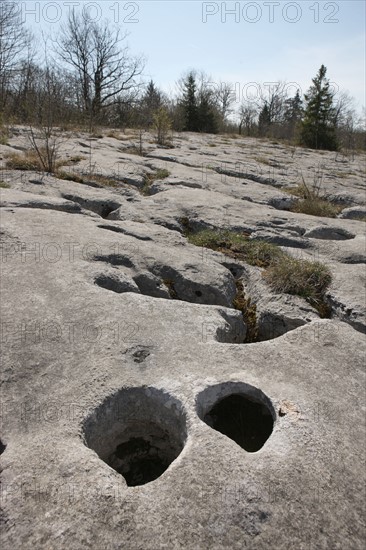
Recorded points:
(258, 42)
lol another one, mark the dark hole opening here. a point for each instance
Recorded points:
(115, 259)
(198, 293)
(247, 422)
(106, 210)
(136, 433)
(139, 461)
(2, 447)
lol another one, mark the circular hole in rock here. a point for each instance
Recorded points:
(2, 447)
(138, 432)
(241, 412)
(198, 293)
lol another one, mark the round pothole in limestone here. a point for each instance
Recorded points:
(240, 411)
(2, 447)
(138, 432)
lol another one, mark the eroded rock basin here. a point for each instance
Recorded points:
(138, 432)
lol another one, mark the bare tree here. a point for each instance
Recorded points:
(272, 107)
(105, 70)
(344, 106)
(346, 121)
(225, 97)
(247, 117)
(14, 41)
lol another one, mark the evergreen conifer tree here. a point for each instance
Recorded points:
(189, 103)
(264, 120)
(318, 129)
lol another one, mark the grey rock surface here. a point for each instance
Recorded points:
(135, 415)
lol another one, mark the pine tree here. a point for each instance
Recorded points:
(151, 101)
(293, 114)
(152, 97)
(189, 103)
(293, 109)
(264, 120)
(318, 129)
(207, 117)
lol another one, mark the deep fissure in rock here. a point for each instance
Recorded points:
(115, 284)
(138, 432)
(245, 415)
(115, 259)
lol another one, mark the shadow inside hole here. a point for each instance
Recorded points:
(247, 422)
(238, 410)
(138, 432)
(2, 447)
(142, 459)
(115, 259)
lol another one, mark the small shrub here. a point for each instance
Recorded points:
(45, 142)
(162, 124)
(4, 185)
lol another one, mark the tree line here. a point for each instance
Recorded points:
(89, 76)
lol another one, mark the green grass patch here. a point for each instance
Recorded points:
(285, 274)
(317, 207)
(312, 202)
(98, 179)
(237, 245)
(303, 278)
(4, 185)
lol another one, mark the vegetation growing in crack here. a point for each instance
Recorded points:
(149, 179)
(87, 179)
(303, 278)
(312, 200)
(237, 245)
(249, 312)
(169, 283)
